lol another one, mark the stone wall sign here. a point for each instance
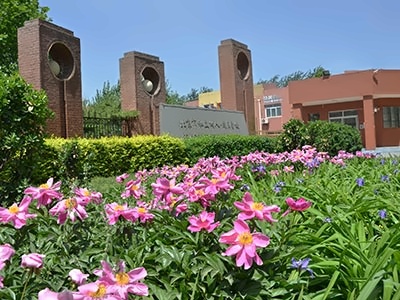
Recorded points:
(182, 121)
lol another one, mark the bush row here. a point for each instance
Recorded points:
(226, 146)
(78, 160)
(324, 136)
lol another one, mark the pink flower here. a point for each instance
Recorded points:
(133, 188)
(123, 283)
(216, 184)
(71, 207)
(299, 205)
(45, 192)
(143, 214)
(32, 260)
(95, 291)
(251, 209)
(6, 251)
(163, 187)
(121, 178)
(47, 294)
(77, 276)
(204, 221)
(244, 244)
(288, 169)
(1, 282)
(15, 214)
(85, 196)
(115, 210)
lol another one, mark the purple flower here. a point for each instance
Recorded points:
(302, 264)
(385, 178)
(382, 213)
(360, 181)
(245, 187)
(328, 220)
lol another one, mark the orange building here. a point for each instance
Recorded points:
(368, 100)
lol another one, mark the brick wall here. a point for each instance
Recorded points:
(35, 39)
(236, 80)
(133, 95)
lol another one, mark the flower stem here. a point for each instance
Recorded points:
(26, 283)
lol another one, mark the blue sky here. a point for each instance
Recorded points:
(284, 36)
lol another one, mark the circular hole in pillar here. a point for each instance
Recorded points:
(150, 80)
(61, 61)
(243, 65)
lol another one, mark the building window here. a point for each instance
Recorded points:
(273, 110)
(348, 117)
(313, 117)
(391, 117)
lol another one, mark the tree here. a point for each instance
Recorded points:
(299, 75)
(23, 115)
(106, 102)
(194, 93)
(173, 97)
(13, 14)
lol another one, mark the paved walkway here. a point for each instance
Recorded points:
(385, 151)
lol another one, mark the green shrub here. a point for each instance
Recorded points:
(75, 161)
(23, 116)
(294, 136)
(326, 136)
(226, 146)
(332, 137)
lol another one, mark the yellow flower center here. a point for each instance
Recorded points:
(134, 187)
(13, 209)
(257, 206)
(214, 180)
(71, 203)
(44, 186)
(100, 293)
(245, 238)
(141, 210)
(86, 193)
(118, 207)
(200, 192)
(122, 278)
(223, 174)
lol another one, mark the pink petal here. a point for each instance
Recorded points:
(137, 274)
(228, 237)
(260, 240)
(232, 250)
(240, 226)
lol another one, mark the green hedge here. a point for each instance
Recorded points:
(226, 146)
(78, 160)
(323, 135)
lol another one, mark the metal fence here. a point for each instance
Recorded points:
(96, 127)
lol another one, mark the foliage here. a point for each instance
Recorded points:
(173, 96)
(194, 93)
(106, 102)
(332, 137)
(13, 14)
(350, 234)
(294, 135)
(78, 160)
(225, 146)
(299, 75)
(23, 116)
(326, 136)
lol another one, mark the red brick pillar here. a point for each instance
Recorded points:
(49, 59)
(369, 122)
(236, 80)
(142, 82)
